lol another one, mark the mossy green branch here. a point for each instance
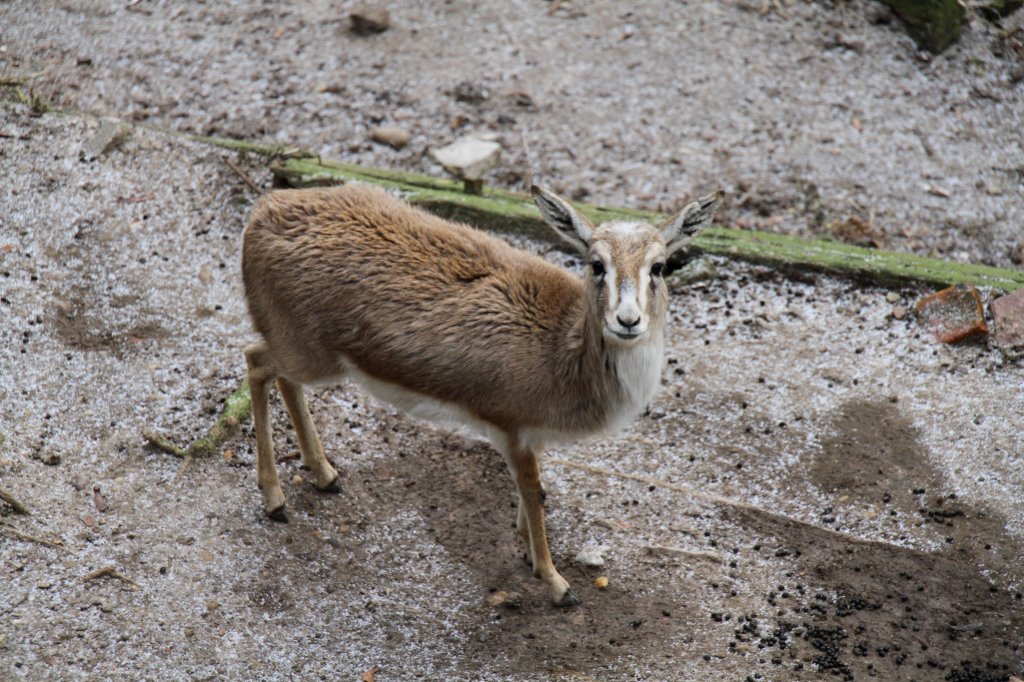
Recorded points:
(236, 410)
(884, 268)
(514, 212)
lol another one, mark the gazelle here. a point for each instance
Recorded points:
(446, 321)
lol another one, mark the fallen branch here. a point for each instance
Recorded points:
(236, 409)
(719, 501)
(11, 530)
(16, 505)
(500, 210)
(110, 572)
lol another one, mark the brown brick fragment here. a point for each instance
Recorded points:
(1008, 321)
(953, 314)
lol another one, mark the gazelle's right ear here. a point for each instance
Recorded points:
(563, 218)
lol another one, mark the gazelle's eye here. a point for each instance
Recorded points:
(597, 267)
(657, 269)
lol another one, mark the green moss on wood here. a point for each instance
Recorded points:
(933, 24)
(514, 212)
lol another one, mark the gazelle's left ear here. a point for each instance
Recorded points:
(693, 218)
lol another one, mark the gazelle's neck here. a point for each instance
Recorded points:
(637, 371)
(615, 383)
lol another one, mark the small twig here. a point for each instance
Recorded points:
(110, 572)
(184, 465)
(928, 149)
(245, 178)
(679, 551)
(161, 441)
(7, 528)
(16, 505)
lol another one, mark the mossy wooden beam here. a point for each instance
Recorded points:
(514, 212)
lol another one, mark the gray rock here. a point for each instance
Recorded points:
(109, 136)
(367, 19)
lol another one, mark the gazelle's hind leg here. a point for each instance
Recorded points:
(526, 472)
(309, 442)
(261, 373)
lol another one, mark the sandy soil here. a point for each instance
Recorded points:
(820, 491)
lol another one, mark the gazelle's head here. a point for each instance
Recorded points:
(626, 261)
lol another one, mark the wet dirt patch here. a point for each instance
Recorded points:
(863, 609)
(78, 327)
(466, 495)
(874, 454)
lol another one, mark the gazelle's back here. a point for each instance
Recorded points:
(352, 275)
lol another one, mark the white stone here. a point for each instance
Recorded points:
(468, 158)
(592, 555)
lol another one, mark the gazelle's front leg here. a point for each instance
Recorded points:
(530, 523)
(261, 373)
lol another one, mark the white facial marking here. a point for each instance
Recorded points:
(629, 307)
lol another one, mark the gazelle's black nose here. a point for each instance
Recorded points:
(628, 324)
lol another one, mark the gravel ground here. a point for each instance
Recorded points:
(819, 492)
(821, 118)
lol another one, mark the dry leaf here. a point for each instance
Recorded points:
(368, 675)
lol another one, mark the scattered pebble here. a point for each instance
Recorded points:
(697, 270)
(592, 555)
(510, 600)
(470, 92)
(296, 479)
(953, 314)
(368, 19)
(601, 582)
(98, 499)
(48, 458)
(393, 136)
(1008, 322)
(110, 135)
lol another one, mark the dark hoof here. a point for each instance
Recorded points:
(333, 487)
(570, 599)
(279, 515)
